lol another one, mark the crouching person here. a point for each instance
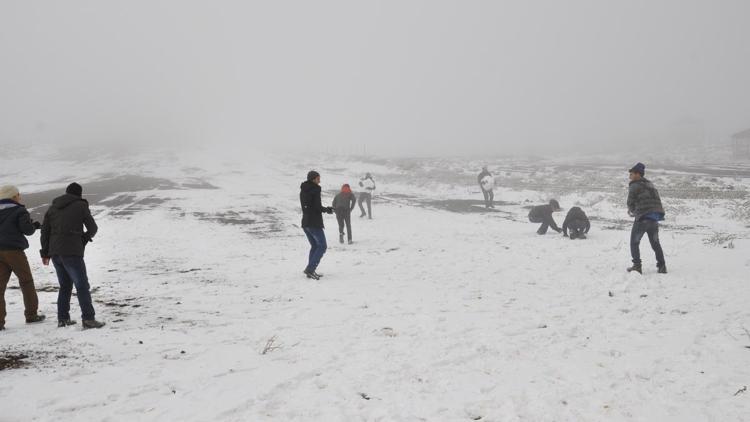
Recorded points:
(15, 225)
(63, 242)
(577, 222)
(543, 214)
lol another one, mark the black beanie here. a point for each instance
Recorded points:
(74, 189)
(312, 175)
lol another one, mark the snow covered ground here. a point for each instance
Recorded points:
(439, 311)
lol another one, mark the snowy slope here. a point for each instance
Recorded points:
(430, 315)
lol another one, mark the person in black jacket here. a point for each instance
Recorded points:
(577, 222)
(543, 214)
(64, 242)
(644, 204)
(312, 222)
(15, 225)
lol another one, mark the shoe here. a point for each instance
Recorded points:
(362, 215)
(317, 275)
(350, 241)
(341, 238)
(2, 328)
(65, 322)
(311, 274)
(635, 267)
(661, 269)
(36, 318)
(92, 323)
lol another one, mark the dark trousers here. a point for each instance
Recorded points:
(489, 196)
(651, 228)
(344, 217)
(365, 197)
(546, 223)
(318, 246)
(71, 271)
(15, 262)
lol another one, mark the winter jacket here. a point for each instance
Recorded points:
(368, 184)
(643, 198)
(63, 228)
(344, 202)
(576, 219)
(15, 225)
(312, 209)
(482, 175)
(542, 213)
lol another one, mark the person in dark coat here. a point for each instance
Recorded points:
(543, 214)
(368, 184)
(15, 225)
(312, 222)
(68, 226)
(487, 184)
(644, 205)
(343, 204)
(577, 222)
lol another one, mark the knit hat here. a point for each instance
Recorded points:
(638, 168)
(74, 189)
(312, 175)
(555, 204)
(8, 191)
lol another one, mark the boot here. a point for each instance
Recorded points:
(341, 237)
(662, 269)
(635, 267)
(92, 323)
(36, 318)
(350, 241)
(311, 274)
(65, 322)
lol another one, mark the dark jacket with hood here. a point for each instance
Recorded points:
(482, 175)
(576, 220)
(312, 209)
(62, 230)
(643, 199)
(15, 225)
(543, 214)
(344, 202)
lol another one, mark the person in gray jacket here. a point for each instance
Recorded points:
(64, 242)
(543, 214)
(644, 204)
(343, 204)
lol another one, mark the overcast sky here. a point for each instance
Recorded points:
(411, 77)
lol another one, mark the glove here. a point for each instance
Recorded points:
(329, 210)
(37, 225)
(86, 238)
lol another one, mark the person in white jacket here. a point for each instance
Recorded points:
(368, 184)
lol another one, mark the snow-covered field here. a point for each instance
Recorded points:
(438, 312)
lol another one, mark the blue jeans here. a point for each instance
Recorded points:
(651, 228)
(71, 271)
(318, 246)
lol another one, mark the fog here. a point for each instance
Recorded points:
(393, 77)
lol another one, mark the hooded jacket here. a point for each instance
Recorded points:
(15, 225)
(312, 209)
(62, 230)
(543, 213)
(643, 199)
(576, 220)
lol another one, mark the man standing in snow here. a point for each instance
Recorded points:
(577, 222)
(368, 183)
(312, 222)
(15, 225)
(343, 204)
(487, 184)
(644, 204)
(64, 242)
(543, 214)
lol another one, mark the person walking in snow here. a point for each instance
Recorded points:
(343, 204)
(64, 242)
(368, 183)
(577, 222)
(487, 184)
(543, 214)
(644, 204)
(312, 222)
(15, 225)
